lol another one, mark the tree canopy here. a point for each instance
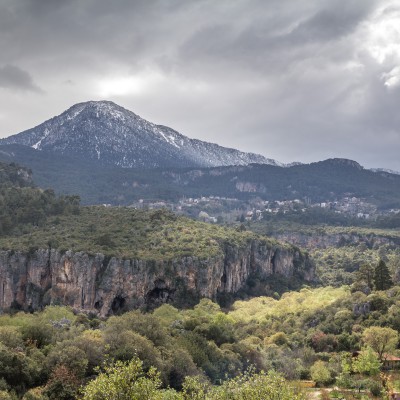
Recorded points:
(382, 278)
(380, 339)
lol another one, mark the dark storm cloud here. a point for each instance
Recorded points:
(331, 22)
(298, 80)
(262, 40)
(14, 78)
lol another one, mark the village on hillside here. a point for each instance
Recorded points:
(216, 209)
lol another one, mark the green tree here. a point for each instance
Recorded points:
(382, 278)
(14, 367)
(366, 274)
(381, 340)
(38, 332)
(5, 396)
(344, 379)
(125, 381)
(125, 345)
(70, 356)
(195, 388)
(262, 386)
(93, 344)
(367, 362)
(11, 337)
(35, 394)
(180, 365)
(320, 373)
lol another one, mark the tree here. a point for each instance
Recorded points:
(4, 395)
(11, 337)
(320, 372)
(382, 278)
(125, 345)
(14, 368)
(381, 340)
(195, 388)
(345, 379)
(125, 381)
(35, 394)
(62, 385)
(366, 274)
(262, 386)
(367, 362)
(70, 356)
(320, 342)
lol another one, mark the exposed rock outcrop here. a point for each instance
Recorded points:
(325, 240)
(250, 187)
(106, 285)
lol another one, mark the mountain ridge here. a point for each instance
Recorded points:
(106, 184)
(113, 135)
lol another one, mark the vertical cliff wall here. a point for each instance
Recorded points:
(324, 240)
(106, 285)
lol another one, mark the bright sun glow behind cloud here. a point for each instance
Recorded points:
(384, 34)
(383, 41)
(392, 78)
(121, 86)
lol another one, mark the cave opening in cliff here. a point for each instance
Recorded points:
(118, 304)
(98, 304)
(158, 296)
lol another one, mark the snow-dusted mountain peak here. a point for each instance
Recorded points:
(111, 134)
(99, 109)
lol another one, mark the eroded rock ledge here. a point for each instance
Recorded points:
(106, 285)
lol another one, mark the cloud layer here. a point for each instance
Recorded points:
(293, 80)
(14, 78)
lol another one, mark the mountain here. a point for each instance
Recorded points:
(321, 181)
(385, 171)
(327, 180)
(91, 148)
(112, 135)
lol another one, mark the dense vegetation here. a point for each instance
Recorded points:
(339, 266)
(158, 237)
(128, 233)
(334, 335)
(368, 234)
(22, 205)
(96, 184)
(309, 334)
(12, 175)
(34, 218)
(338, 251)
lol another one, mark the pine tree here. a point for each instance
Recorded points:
(382, 278)
(366, 274)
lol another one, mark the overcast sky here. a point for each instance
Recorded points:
(298, 80)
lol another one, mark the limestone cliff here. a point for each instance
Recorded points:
(105, 285)
(324, 240)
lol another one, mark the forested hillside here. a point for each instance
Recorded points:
(22, 206)
(98, 184)
(143, 288)
(50, 246)
(309, 334)
(338, 251)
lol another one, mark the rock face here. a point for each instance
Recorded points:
(107, 285)
(324, 240)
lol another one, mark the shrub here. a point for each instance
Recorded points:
(320, 373)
